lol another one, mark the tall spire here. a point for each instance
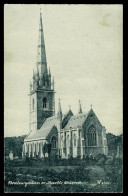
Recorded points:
(80, 109)
(59, 108)
(41, 54)
(59, 115)
(30, 85)
(33, 74)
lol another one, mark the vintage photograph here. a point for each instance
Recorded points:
(63, 98)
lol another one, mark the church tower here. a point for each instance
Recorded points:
(42, 104)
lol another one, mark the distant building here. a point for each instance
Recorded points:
(70, 135)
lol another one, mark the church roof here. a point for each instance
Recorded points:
(45, 129)
(76, 120)
(49, 123)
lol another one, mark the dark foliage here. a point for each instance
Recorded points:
(14, 144)
(114, 141)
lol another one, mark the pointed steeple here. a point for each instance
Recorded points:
(80, 109)
(38, 77)
(30, 85)
(59, 114)
(33, 74)
(59, 108)
(41, 54)
(59, 125)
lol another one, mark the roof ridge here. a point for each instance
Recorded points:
(86, 117)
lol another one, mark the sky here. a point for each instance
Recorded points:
(84, 52)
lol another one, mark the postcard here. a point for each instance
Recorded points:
(63, 97)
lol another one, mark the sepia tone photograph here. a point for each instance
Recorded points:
(63, 98)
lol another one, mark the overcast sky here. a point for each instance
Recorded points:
(84, 52)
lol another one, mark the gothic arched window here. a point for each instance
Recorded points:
(54, 141)
(67, 140)
(44, 102)
(74, 139)
(91, 135)
(33, 104)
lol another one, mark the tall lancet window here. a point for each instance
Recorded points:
(68, 144)
(54, 141)
(91, 135)
(44, 102)
(74, 139)
(33, 104)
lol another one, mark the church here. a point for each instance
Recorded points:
(69, 135)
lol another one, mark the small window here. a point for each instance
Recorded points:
(54, 142)
(74, 139)
(44, 102)
(33, 104)
(68, 141)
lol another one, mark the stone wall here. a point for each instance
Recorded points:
(33, 113)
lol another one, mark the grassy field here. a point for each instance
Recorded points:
(62, 176)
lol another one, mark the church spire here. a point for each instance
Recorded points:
(41, 53)
(59, 116)
(59, 109)
(33, 75)
(80, 109)
(30, 85)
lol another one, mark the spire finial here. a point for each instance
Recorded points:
(33, 74)
(40, 11)
(30, 85)
(59, 102)
(37, 71)
(80, 109)
(59, 107)
(41, 53)
(69, 107)
(91, 106)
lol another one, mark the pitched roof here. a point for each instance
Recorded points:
(45, 129)
(76, 120)
(49, 123)
(66, 118)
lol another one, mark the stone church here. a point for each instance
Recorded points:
(69, 135)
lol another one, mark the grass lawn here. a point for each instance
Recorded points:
(42, 176)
